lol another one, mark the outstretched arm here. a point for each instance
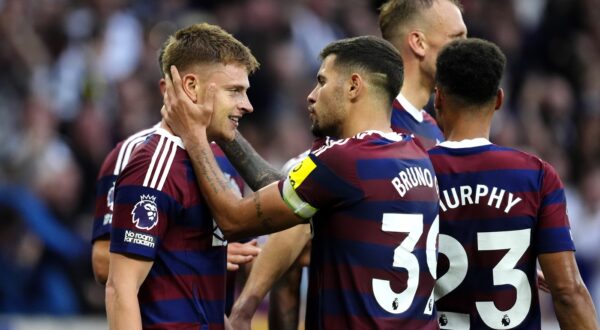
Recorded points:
(276, 257)
(256, 171)
(572, 302)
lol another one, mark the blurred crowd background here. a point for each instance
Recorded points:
(79, 75)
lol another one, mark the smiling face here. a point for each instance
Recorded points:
(326, 102)
(231, 101)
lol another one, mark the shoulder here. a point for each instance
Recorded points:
(293, 161)
(154, 161)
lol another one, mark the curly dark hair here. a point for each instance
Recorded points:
(470, 70)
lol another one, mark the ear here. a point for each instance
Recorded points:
(162, 85)
(416, 42)
(191, 86)
(356, 86)
(499, 98)
(438, 99)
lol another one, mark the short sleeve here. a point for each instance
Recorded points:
(141, 214)
(553, 229)
(105, 188)
(312, 185)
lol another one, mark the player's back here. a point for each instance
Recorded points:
(499, 209)
(161, 215)
(373, 234)
(408, 120)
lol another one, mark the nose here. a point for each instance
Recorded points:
(246, 106)
(312, 97)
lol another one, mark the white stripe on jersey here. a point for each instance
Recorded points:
(168, 166)
(128, 146)
(156, 153)
(161, 161)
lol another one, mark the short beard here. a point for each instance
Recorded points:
(321, 132)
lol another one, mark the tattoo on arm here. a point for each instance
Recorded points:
(204, 167)
(257, 172)
(266, 222)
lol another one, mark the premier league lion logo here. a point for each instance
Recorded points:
(505, 320)
(145, 213)
(110, 197)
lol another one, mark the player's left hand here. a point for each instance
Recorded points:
(241, 253)
(185, 115)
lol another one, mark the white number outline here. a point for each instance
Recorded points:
(388, 299)
(504, 273)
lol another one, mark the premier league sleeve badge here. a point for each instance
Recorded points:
(145, 213)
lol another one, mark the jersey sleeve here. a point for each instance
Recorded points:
(141, 213)
(316, 184)
(553, 232)
(105, 188)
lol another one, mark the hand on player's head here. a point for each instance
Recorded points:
(186, 115)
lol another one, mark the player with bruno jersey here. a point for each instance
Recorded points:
(370, 192)
(373, 203)
(501, 210)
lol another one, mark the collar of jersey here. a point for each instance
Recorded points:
(468, 143)
(392, 136)
(417, 114)
(165, 133)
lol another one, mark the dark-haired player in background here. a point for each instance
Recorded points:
(500, 210)
(372, 236)
(167, 256)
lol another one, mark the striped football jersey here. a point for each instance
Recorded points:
(374, 206)
(160, 215)
(409, 120)
(499, 209)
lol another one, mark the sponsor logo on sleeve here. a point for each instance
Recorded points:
(139, 238)
(145, 213)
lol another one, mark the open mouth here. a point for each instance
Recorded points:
(235, 120)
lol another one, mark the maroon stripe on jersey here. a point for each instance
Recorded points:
(381, 190)
(181, 325)
(477, 162)
(361, 279)
(169, 287)
(188, 239)
(528, 206)
(356, 322)
(370, 232)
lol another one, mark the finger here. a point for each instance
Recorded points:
(177, 85)
(209, 96)
(232, 267)
(169, 89)
(239, 259)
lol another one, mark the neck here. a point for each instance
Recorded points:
(416, 88)
(365, 116)
(467, 126)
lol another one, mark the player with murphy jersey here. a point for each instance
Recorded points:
(500, 210)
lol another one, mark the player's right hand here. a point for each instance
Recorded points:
(241, 253)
